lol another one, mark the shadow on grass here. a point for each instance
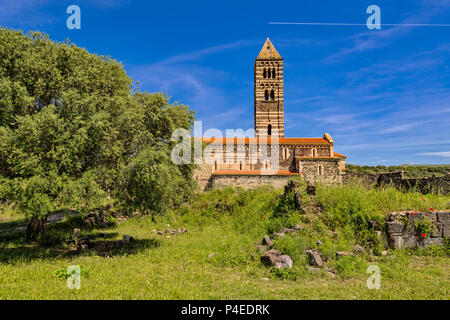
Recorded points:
(57, 241)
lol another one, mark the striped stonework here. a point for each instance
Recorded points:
(269, 92)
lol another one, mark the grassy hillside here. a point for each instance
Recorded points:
(412, 171)
(217, 258)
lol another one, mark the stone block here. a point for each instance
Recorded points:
(395, 227)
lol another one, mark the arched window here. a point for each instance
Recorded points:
(269, 130)
(240, 165)
(266, 95)
(215, 165)
(320, 170)
(268, 74)
(273, 73)
(314, 152)
(272, 95)
(264, 73)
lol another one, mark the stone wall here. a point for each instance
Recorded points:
(411, 229)
(327, 171)
(249, 181)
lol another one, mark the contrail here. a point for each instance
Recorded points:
(362, 24)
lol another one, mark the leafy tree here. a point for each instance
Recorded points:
(76, 133)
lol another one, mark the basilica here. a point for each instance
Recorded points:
(269, 157)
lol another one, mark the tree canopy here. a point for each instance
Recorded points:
(74, 131)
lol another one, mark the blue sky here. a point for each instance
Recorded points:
(383, 95)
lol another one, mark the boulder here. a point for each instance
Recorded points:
(359, 249)
(284, 262)
(262, 248)
(340, 254)
(267, 241)
(314, 258)
(279, 235)
(270, 257)
(277, 259)
(297, 227)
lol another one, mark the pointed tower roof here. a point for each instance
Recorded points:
(268, 51)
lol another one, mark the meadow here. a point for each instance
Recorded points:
(218, 258)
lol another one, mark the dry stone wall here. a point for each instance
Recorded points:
(411, 229)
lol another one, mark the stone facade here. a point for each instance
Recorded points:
(268, 158)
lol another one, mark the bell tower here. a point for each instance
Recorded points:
(269, 92)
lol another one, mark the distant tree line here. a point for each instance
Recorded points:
(412, 171)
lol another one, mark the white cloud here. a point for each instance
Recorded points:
(444, 154)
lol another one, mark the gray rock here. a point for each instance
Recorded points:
(270, 257)
(126, 238)
(287, 230)
(160, 232)
(262, 248)
(279, 235)
(283, 262)
(313, 269)
(398, 242)
(431, 242)
(384, 253)
(359, 249)
(211, 255)
(297, 227)
(314, 258)
(395, 227)
(319, 243)
(267, 241)
(340, 254)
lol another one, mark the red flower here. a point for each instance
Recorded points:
(424, 235)
(426, 214)
(412, 213)
(261, 217)
(431, 209)
(421, 199)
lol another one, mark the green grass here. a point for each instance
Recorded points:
(229, 223)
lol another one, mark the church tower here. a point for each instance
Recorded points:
(268, 89)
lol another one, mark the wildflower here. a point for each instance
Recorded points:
(412, 213)
(424, 235)
(421, 199)
(431, 209)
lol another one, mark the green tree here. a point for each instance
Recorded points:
(75, 132)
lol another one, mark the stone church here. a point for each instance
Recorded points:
(314, 159)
